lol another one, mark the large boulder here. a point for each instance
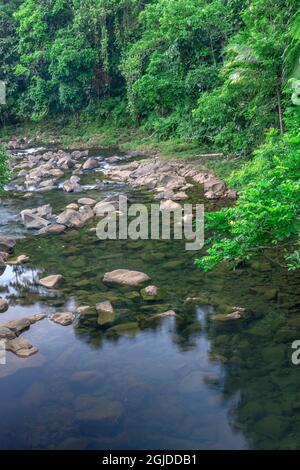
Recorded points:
(125, 277)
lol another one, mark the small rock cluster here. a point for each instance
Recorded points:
(10, 332)
(41, 171)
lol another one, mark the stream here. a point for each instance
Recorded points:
(171, 383)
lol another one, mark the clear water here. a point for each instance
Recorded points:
(184, 383)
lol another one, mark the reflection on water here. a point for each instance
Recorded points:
(140, 382)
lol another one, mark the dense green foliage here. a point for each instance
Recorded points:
(208, 72)
(267, 213)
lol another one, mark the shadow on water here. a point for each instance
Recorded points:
(138, 381)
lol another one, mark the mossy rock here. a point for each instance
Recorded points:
(173, 264)
(222, 317)
(267, 293)
(105, 318)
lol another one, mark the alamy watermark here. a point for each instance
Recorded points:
(165, 221)
(296, 354)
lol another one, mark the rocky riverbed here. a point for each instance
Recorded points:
(98, 332)
(42, 171)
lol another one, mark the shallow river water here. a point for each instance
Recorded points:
(175, 383)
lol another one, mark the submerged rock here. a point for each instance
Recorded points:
(267, 293)
(98, 409)
(3, 305)
(51, 281)
(21, 259)
(125, 277)
(73, 218)
(168, 313)
(90, 164)
(7, 244)
(63, 318)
